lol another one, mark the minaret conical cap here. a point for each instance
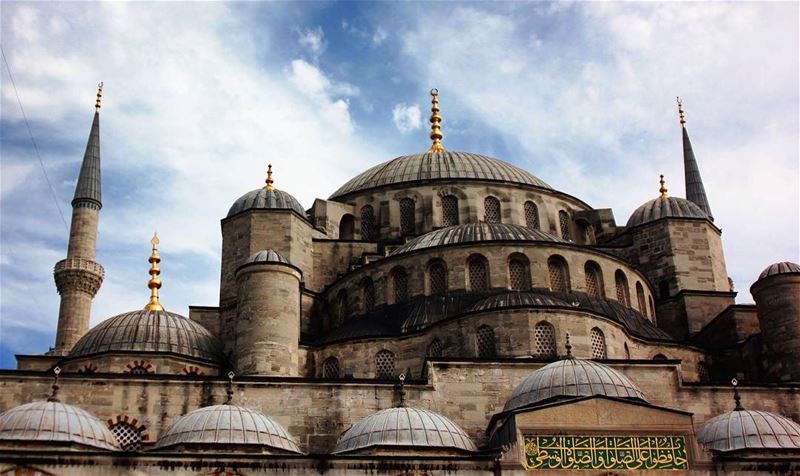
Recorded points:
(88, 186)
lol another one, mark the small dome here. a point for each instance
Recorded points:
(786, 267)
(266, 256)
(405, 427)
(228, 425)
(749, 429)
(266, 199)
(475, 233)
(572, 378)
(665, 207)
(443, 165)
(55, 422)
(149, 331)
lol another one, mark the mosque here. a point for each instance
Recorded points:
(442, 312)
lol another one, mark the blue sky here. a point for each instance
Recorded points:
(199, 97)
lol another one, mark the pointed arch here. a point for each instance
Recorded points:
(598, 344)
(623, 293)
(594, 280)
(559, 274)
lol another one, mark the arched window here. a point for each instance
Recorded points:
(139, 367)
(702, 372)
(400, 284)
(367, 223)
(640, 298)
(478, 273)
(368, 294)
(652, 309)
(519, 273)
(347, 226)
(559, 274)
(128, 435)
(384, 364)
(627, 352)
(449, 210)
(594, 279)
(437, 277)
(623, 293)
(531, 215)
(491, 210)
(544, 340)
(435, 348)
(407, 217)
(485, 342)
(588, 234)
(598, 344)
(341, 307)
(330, 368)
(563, 221)
(660, 357)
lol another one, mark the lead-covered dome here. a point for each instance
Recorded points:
(405, 427)
(749, 429)
(473, 233)
(665, 207)
(569, 378)
(443, 165)
(55, 422)
(228, 425)
(149, 331)
(262, 198)
(266, 256)
(785, 267)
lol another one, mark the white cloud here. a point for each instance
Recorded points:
(379, 36)
(316, 86)
(312, 39)
(406, 118)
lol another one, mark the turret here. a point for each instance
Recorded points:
(79, 276)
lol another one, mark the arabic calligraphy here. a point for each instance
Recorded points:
(605, 452)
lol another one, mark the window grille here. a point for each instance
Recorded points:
(559, 282)
(369, 295)
(400, 280)
(449, 210)
(330, 368)
(435, 348)
(544, 340)
(486, 344)
(563, 220)
(128, 436)
(593, 287)
(491, 210)
(478, 274)
(139, 367)
(519, 275)
(640, 298)
(623, 294)
(531, 215)
(702, 371)
(598, 344)
(384, 365)
(367, 223)
(407, 217)
(437, 276)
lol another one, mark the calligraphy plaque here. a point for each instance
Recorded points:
(605, 452)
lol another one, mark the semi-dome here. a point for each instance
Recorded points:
(569, 378)
(228, 425)
(749, 429)
(517, 299)
(55, 422)
(665, 207)
(441, 165)
(266, 256)
(405, 427)
(785, 267)
(262, 198)
(481, 232)
(149, 331)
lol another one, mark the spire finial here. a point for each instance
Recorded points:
(269, 180)
(663, 190)
(99, 96)
(402, 392)
(681, 113)
(229, 390)
(569, 348)
(54, 396)
(736, 397)
(154, 284)
(436, 120)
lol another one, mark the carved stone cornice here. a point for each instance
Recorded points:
(78, 274)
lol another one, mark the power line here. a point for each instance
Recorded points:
(35, 147)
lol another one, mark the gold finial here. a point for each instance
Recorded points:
(663, 189)
(54, 396)
(436, 120)
(568, 346)
(681, 113)
(269, 180)
(154, 284)
(99, 97)
(229, 390)
(736, 397)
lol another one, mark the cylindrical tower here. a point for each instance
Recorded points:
(267, 316)
(777, 296)
(79, 277)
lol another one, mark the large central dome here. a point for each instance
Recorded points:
(440, 165)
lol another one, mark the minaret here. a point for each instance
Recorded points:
(695, 192)
(78, 277)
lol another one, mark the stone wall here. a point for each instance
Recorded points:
(778, 302)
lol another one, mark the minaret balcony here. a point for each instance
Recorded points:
(74, 264)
